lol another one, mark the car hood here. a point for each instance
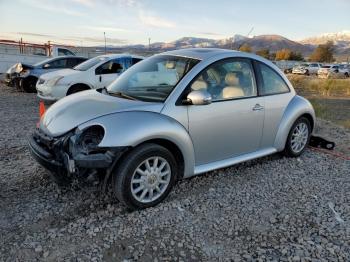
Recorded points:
(17, 68)
(61, 72)
(76, 109)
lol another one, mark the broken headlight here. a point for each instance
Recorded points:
(89, 139)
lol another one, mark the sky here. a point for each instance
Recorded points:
(83, 22)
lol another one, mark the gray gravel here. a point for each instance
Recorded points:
(274, 208)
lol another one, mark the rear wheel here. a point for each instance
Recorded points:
(298, 137)
(145, 176)
(346, 74)
(307, 72)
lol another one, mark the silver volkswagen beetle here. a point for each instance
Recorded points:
(173, 116)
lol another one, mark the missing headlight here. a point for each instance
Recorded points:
(89, 139)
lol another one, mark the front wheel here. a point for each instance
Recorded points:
(298, 137)
(145, 176)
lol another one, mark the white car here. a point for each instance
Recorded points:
(307, 69)
(334, 71)
(94, 73)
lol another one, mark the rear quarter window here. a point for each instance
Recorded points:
(271, 83)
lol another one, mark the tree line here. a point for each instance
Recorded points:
(323, 53)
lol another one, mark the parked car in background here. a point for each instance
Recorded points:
(172, 116)
(307, 69)
(25, 76)
(97, 72)
(334, 71)
(345, 70)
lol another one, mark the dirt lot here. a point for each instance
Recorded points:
(274, 208)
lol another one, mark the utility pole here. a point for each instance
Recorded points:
(104, 34)
(251, 30)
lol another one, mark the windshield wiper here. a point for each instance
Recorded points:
(121, 94)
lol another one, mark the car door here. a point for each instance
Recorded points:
(277, 96)
(232, 124)
(108, 72)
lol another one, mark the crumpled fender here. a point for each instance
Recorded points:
(297, 107)
(133, 128)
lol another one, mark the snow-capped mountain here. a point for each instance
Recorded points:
(341, 41)
(340, 37)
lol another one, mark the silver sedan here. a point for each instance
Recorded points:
(173, 116)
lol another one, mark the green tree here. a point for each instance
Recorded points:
(323, 53)
(245, 48)
(264, 53)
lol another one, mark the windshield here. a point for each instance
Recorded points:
(90, 63)
(153, 79)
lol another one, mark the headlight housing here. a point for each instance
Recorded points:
(87, 140)
(24, 73)
(53, 81)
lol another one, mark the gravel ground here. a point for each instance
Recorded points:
(274, 208)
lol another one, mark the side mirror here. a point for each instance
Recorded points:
(199, 97)
(46, 65)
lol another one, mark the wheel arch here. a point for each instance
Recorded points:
(131, 129)
(174, 149)
(88, 87)
(297, 107)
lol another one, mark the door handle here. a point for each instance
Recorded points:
(258, 107)
(100, 78)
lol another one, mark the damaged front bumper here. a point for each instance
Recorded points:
(55, 154)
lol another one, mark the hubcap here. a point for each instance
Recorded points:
(299, 137)
(150, 179)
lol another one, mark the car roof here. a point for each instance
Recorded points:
(200, 53)
(120, 55)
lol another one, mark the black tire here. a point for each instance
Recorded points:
(346, 75)
(28, 84)
(122, 175)
(307, 73)
(77, 88)
(288, 150)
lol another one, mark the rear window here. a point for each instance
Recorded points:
(326, 66)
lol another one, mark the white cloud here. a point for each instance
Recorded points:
(106, 29)
(92, 3)
(154, 21)
(53, 7)
(88, 3)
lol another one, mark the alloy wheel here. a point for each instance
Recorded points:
(150, 179)
(299, 137)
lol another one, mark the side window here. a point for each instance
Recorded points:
(111, 67)
(62, 52)
(227, 79)
(72, 62)
(135, 60)
(272, 82)
(58, 63)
